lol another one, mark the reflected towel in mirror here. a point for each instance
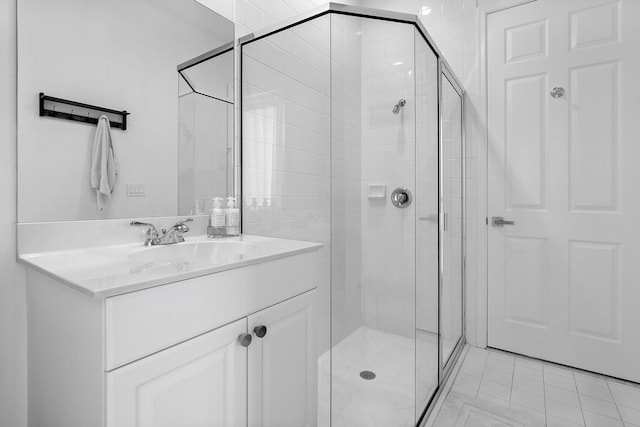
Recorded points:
(104, 162)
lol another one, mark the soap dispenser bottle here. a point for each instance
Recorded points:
(232, 218)
(216, 226)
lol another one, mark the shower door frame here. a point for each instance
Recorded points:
(443, 69)
(445, 370)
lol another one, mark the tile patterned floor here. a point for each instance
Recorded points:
(493, 388)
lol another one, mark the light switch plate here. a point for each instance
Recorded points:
(136, 190)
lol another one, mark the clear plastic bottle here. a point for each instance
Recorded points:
(217, 219)
(232, 215)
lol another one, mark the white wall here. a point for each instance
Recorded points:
(223, 7)
(13, 325)
(254, 15)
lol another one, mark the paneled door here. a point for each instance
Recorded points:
(563, 165)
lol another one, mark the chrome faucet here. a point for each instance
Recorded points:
(174, 234)
(170, 236)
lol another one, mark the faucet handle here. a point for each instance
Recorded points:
(151, 233)
(151, 228)
(147, 224)
(181, 226)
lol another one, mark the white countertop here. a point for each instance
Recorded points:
(112, 270)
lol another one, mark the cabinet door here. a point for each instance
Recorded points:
(283, 365)
(199, 383)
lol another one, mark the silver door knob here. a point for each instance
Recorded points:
(498, 221)
(244, 339)
(557, 92)
(260, 331)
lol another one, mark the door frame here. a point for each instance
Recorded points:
(485, 8)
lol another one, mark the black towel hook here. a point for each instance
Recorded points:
(118, 119)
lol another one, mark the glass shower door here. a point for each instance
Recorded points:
(451, 315)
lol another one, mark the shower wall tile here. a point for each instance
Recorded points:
(427, 175)
(346, 241)
(388, 157)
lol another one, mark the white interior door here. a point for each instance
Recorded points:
(564, 280)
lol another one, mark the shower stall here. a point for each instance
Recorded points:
(352, 136)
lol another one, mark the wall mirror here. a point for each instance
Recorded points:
(168, 63)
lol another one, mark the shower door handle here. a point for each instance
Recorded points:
(498, 221)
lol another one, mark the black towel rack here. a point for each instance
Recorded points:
(48, 104)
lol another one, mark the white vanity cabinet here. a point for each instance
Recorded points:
(203, 381)
(173, 355)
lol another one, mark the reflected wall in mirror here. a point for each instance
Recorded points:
(206, 123)
(122, 55)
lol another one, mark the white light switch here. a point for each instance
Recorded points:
(136, 190)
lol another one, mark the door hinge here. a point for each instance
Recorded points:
(486, 220)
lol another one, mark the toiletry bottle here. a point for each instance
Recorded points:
(216, 219)
(232, 218)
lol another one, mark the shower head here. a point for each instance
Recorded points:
(401, 103)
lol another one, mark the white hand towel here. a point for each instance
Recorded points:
(104, 162)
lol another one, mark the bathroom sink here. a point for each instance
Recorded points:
(192, 253)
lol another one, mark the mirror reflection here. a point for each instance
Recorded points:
(154, 60)
(205, 137)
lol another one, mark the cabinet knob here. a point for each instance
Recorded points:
(260, 331)
(244, 339)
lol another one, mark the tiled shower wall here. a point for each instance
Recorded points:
(346, 169)
(388, 158)
(286, 130)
